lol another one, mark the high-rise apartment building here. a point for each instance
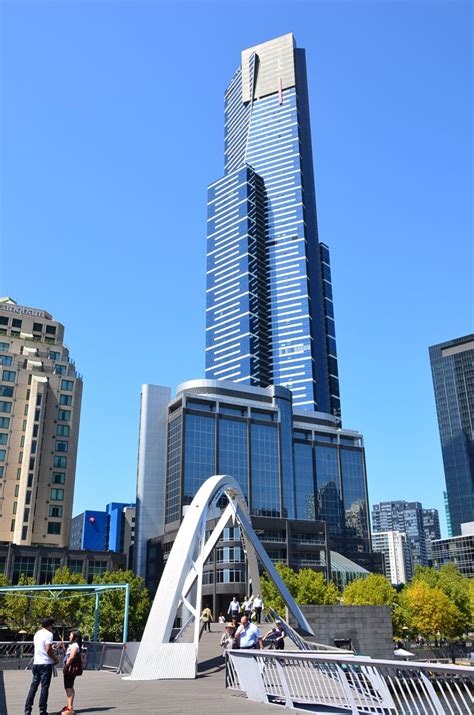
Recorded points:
(40, 404)
(270, 314)
(408, 518)
(397, 555)
(458, 550)
(452, 367)
(432, 530)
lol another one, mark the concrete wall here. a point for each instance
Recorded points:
(368, 627)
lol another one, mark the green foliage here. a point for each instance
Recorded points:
(455, 586)
(75, 609)
(17, 609)
(375, 590)
(307, 587)
(112, 605)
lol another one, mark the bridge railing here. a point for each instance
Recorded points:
(350, 684)
(18, 655)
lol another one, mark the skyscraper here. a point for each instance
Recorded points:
(40, 405)
(270, 315)
(452, 367)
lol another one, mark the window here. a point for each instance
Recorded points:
(26, 514)
(5, 422)
(28, 497)
(17, 490)
(60, 370)
(57, 494)
(62, 446)
(96, 568)
(54, 527)
(65, 399)
(60, 462)
(75, 565)
(51, 329)
(63, 431)
(67, 384)
(8, 376)
(12, 525)
(3, 320)
(54, 356)
(2, 455)
(37, 327)
(64, 415)
(1, 471)
(5, 406)
(6, 360)
(56, 511)
(5, 346)
(59, 478)
(6, 391)
(16, 323)
(24, 565)
(49, 566)
(39, 398)
(14, 507)
(3, 438)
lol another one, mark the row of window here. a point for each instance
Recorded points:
(37, 327)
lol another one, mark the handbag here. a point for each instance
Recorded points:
(75, 667)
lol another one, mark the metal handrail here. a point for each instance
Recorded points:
(351, 684)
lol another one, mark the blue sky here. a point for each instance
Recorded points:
(113, 127)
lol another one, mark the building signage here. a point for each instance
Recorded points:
(10, 308)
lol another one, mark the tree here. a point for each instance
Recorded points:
(430, 610)
(375, 590)
(456, 587)
(17, 611)
(112, 605)
(307, 587)
(68, 608)
(311, 589)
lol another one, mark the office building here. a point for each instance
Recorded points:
(109, 530)
(40, 404)
(432, 531)
(41, 562)
(447, 514)
(408, 518)
(397, 555)
(301, 474)
(458, 550)
(452, 367)
(270, 314)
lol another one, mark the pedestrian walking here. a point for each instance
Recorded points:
(206, 618)
(234, 608)
(43, 662)
(258, 607)
(247, 606)
(72, 668)
(248, 634)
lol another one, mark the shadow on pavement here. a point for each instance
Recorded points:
(216, 663)
(3, 697)
(91, 710)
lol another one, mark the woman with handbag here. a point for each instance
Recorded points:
(72, 668)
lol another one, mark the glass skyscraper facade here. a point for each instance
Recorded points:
(452, 367)
(270, 315)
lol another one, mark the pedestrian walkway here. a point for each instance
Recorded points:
(103, 692)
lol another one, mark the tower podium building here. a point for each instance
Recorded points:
(40, 404)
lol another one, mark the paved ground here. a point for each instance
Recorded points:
(103, 692)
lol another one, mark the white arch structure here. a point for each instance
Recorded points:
(181, 583)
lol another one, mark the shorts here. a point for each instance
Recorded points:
(68, 680)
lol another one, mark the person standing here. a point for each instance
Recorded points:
(72, 668)
(234, 608)
(248, 634)
(43, 662)
(258, 607)
(247, 606)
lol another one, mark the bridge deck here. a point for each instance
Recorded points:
(103, 692)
